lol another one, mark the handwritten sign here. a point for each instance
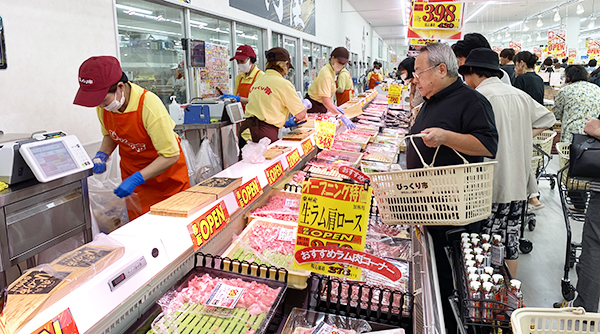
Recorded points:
(203, 228)
(325, 131)
(274, 173)
(349, 257)
(442, 16)
(394, 93)
(248, 192)
(307, 146)
(293, 158)
(332, 214)
(61, 324)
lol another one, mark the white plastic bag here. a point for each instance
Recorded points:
(231, 155)
(253, 152)
(207, 162)
(190, 157)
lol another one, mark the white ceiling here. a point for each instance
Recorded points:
(386, 17)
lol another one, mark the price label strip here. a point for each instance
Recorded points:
(248, 192)
(325, 131)
(437, 16)
(224, 296)
(307, 146)
(332, 214)
(274, 172)
(205, 227)
(293, 158)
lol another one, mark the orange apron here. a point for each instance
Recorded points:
(137, 152)
(343, 97)
(244, 89)
(373, 80)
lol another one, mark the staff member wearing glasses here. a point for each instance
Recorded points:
(322, 89)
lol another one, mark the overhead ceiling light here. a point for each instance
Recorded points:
(580, 9)
(539, 23)
(529, 39)
(556, 16)
(134, 9)
(591, 24)
(539, 36)
(493, 39)
(499, 36)
(525, 26)
(507, 34)
(477, 11)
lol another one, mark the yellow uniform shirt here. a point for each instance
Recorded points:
(374, 73)
(323, 85)
(271, 98)
(157, 121)
(247, 79)
(344, 80)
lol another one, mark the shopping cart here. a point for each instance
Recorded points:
(573, 194)
(542, 148)
(531, 320)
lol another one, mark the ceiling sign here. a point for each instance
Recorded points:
(556, 43)
(298, 14)
(436, 19)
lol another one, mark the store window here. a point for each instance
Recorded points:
(276, 40)
(150, 45)
(316, 56)
(290, 45)
(251, 36)
(306, 62)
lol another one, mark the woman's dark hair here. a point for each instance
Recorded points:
(527, 57)
(548, 61)
(484, 72)
(252, 60)
(124, 79)
(593, 63)
(574, 73)
(408, 65)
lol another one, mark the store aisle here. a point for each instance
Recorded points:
(541, 270)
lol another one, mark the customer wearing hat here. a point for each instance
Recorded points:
(249, 72)
(518, 119)
(472, 41)
(152, 162)
(321, 91)
(272, 99)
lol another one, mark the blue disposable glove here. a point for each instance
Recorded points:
(128, 185)
(231, 96)
(378, 82)
(348, 123)
(100, 162)
(340, 110)
(307, 103)
(290, 123)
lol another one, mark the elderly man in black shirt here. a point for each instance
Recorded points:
(454, 116)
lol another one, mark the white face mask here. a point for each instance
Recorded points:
(245, 68)
(115, 105)
(403, 77)
(337, 66)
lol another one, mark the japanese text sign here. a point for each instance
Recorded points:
(307, 146)
(394, 93)
(556, 43)
(593, 47)
(324, 134)
(274, 172)
(443, 16)
(353, 173)
(293, 158)
(248, 192)
(61, 324)
(515, 46)
(203, 228)
(332, 214)
(572, 54)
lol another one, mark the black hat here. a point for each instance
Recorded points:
(278, 54)
(470, 41)
(482, 58)
(341, 54)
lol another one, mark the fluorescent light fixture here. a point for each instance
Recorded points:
(149, 30)
(591, 24)
(476, 12)
(556, 16)
(198, 23)
(583, 19)
(219, 40)
(499, 36)
(515, 24)
(525, 26)
(539, 36)
(580, 9)
(539, 23)
(507, 34)
(134, 9)
(493, 39)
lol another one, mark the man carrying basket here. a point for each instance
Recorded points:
(454, 116)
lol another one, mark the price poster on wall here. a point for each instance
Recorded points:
(332, 215)
(436, 20)
(556, 43)
(515, 46)
(593, 47)
(216, 72)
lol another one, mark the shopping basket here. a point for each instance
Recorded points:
(531, 320)
(563, 162)
(544, 140)
(450, 195)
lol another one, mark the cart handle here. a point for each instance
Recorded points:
(420, 135)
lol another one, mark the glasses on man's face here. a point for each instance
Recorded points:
(417, 74)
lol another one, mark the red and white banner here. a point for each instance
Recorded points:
(557, 43)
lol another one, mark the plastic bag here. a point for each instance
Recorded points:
(190, 160)
(302, 321)
(232, 153)
(253, 152)
(207, 162)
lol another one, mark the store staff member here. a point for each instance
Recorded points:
(272, 98)
(344, 91)
(323, 87)
(152, 162)
(374, 77)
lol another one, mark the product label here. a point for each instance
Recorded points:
(61, 324)
(248, 192)
(497, 255)
(325, 131)
(203, 228)
(286, 234)
(291, 203)
(224, 296)
(353, 173)
(442, 16)
(307, 146)
(274, 173)
(293, 158)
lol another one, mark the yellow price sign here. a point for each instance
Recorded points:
(325, 131)
(394, 93)
(332, 214)
(437, 15)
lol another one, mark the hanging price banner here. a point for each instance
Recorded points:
(203, 228)
(332, 214)
(307, 146)
(248, 192)
(440, 16)
(556, 43)
(422, 41)
(394, 93)
(593, 47)
(325, 131)
(572, 54)
(274, 172)
(515, 46)
(538, 52)
(61, 324)
(293, 158)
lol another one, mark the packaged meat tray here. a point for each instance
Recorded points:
(396, 231)
(390, 132)
(394, 248)
(374, 167)
(307, 322)
(364, 131)
(380, 156)
(280, 205)
(210, 301)
(346, 146)
(269, 242)
(340, 157)
(353, 137)
(370, 123)
(390, 146)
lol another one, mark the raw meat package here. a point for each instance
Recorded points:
(396, 231)
(42, 286)
(353, 137)
(390, 132)
(364, 130)
(370, 118)
(269, 242)
(377, 124)
(305, 322)
(381, 139)
(340, 157)
(374, 167)
(394, 248)
(324, 168)
(346, 146)
(281, 205)
(379, 155)
(211, 301)
(389, 147)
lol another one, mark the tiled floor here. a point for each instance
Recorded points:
(541, 270)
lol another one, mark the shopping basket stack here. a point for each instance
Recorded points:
(572, 320)
(573, 196)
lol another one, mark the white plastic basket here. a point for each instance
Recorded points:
(563, 160)
(530, 320)
(450, 195)
(536, 162)
(544, 139)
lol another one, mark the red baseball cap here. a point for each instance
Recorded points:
(96, 75)
(243, 52)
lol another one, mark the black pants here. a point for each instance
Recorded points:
(317, 107)
(260, 129)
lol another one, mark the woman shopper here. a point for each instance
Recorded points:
(525, 78)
